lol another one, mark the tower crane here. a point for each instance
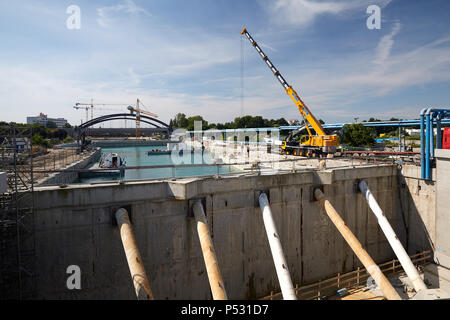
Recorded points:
(91, 105)
(86, 108)
(138, 112)
(309, 145)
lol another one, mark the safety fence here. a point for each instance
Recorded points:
(352, 280)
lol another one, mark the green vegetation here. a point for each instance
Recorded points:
(180, 121)
(39, 141)
(44, 136)
(51, 125)
(357, 135)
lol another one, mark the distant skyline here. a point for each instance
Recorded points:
(186, 56)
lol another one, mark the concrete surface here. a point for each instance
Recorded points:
(58, 178)
(75, 226)
(442, 254)
(3, 182)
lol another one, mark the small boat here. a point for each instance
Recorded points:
(158, 151)
(180, 152)
(112, 160)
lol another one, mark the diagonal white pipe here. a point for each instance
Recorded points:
(287, 289)
(395, 243)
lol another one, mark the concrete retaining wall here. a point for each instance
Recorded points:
(418, 205)
(442, 209)
(69, 177)
(75, 226)
(129, 143)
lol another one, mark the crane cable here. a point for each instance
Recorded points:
(242, 75)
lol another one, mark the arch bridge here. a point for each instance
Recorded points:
(81, 130)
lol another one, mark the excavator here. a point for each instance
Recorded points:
(310, 145)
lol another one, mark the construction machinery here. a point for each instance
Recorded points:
(91, 105)
(138, 112)
(309, 145)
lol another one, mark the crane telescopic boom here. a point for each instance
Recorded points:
(319, 144)
(289, 90)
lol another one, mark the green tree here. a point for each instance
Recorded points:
(357, 135)
(51, 125)
(40, 141)
(58, 134)
(180, 121)
(191, 123)
(67, 125)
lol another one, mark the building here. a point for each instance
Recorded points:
(43, 119)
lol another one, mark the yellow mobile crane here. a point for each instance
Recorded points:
(309, 145)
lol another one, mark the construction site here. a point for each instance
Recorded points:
(237, 214)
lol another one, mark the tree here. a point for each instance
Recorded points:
(39, 141)
(191, 123)
(249, 122)
(179, 121)
(67, 125)
(51, 125)
(357, 135)
(58, 134)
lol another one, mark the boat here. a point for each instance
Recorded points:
(158, 151)
(180, 152)
(112, 160)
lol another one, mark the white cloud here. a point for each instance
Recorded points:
(107, 14)
(385, 45)
(301, 13)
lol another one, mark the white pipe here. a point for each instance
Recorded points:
(380, 279)
(287, 289)
(395, 243)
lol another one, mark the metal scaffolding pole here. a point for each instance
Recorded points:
(209, 255)
(395, 243)
(135, 263)
(370, 265)
(279, 260)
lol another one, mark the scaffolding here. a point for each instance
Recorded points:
(17, 245)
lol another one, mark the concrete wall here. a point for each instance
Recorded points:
(75, 225)
(3, 182)
(129, 143)
(69, 177)
(442, 254)
(418, 205)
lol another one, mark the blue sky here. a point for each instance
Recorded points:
(185, 56)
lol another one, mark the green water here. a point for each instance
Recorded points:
(137, 156)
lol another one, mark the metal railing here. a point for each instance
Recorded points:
(351, 280)
(236, 168)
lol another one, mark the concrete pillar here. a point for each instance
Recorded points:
(379, 278)
(395, 243)
(422, 143)
(135, 263)
(212, 267)
(287, 289)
